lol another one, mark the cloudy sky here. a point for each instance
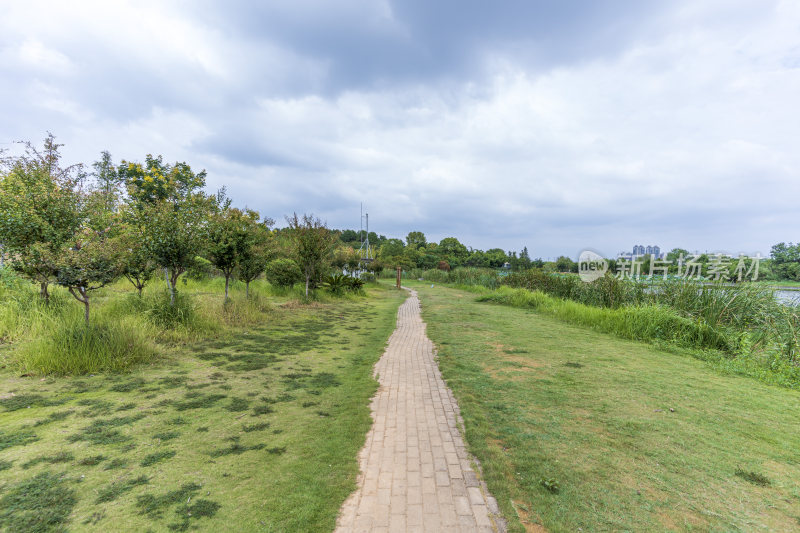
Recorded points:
(551, 125)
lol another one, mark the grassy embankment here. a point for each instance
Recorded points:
(741, 329)
(626, 436)
(217, 426)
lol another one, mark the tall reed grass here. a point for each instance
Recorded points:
(647, 322)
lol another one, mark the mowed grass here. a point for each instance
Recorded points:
(579, 429)
(256, 430)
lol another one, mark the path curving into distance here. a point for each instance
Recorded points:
(416, 474)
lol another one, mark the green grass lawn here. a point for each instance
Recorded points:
(255, 430)
(626, 436)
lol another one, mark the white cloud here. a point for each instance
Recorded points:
(686, 136)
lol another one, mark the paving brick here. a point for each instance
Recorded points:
(416, 474)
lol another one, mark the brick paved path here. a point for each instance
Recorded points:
(416, 474)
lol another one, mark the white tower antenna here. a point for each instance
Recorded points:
(365, 253)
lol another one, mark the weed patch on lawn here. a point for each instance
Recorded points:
(753, 477)
(128, 386)
(255, 427)
(157, 457)
(154, 506)
(118, 488)
(24, 401)
(92, 460)
(237, 405)
(167, 435)
(199, 401)
(18, 438)
(116, 464)
(61, 457)
(56, 416)
(262, 410)
(236, 448)
(40, 503)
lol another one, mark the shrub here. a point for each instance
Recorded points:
(339, 283)
(283, 272)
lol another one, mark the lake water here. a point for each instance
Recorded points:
(792, 297)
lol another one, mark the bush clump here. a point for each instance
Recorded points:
(283, 272)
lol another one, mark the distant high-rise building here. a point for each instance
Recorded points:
(640, 250)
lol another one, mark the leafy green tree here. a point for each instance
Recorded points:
(156, 181)
(675, 255)
(138, 265)
(90, 264)
(108, 182)
(40, 210)
(257, 250)
(172, 211)
(348, 236)
(496, 257)
(565, 264)
(175, 234)
(785, 262)
(524, 262)
(312, 246)
(452, 251)
(229, 230)
(416, 238)
(477, 258)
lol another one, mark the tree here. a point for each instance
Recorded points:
(90, 264)
(40, 210)
(675, 255)
(172, 210)
(313, 243)
(137, 264)
(524, 262)
(416, 238)
(786, 261)
(565, 264)
(258, 248)
(175, 234)
(496, 257)
(228, 233)
(452, 251)
(108, 181)
(348, 236)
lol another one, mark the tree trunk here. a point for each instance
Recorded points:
(43, 291)
(171, 283)
(84, 299)
(307, 278)
(139, 288)
(166, 278)
(227, 278)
